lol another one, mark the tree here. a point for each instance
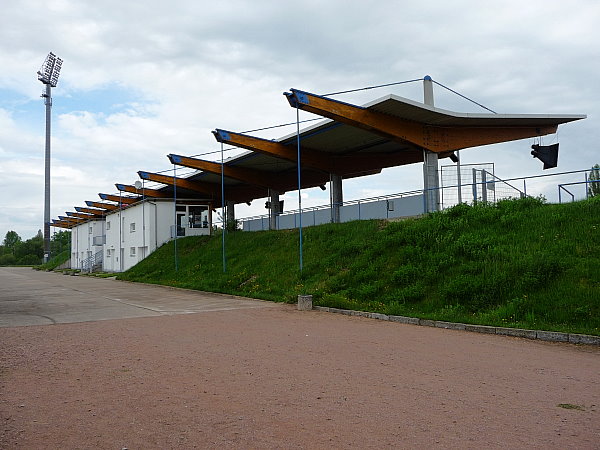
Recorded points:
(60, 241)
(11, 240)
(593, 186)
(31, 251)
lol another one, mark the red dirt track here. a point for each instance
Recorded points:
(281, 378)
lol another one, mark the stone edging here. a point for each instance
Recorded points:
(552, 336)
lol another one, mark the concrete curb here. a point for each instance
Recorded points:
(549, 336)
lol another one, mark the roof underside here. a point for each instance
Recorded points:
(339, 138)
(342, 139)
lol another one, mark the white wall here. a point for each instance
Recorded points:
(82, 241)
(376, 209)
(136, 231)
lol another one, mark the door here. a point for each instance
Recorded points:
(181, 223)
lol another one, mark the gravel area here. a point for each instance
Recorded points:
(281, 378)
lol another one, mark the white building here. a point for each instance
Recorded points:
(132, 233)
(87, 244)
(126, 236)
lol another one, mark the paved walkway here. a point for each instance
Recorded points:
(30, 297)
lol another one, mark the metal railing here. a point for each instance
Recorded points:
(483, 184)
(92, 262)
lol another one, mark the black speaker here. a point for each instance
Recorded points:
(548, 154)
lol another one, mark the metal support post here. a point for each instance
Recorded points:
(223, 214)
(587, 190)
(484, 190)
(230, 212)
(299, 189)
(175, 212)
(431, 181)
(273, 209)
(48, 74)
(458, 176)
(474, 186)
(336, 196)
(48, 103)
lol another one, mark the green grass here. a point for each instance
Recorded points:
(518, 263)
(54, 262)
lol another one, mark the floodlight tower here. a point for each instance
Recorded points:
(48, 74)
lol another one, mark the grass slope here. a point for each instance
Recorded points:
(518, 263)
(56, 261)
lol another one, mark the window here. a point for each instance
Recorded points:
(90, 230)
(131, 251)
(107, 226)
(198, 216)
(132, 227)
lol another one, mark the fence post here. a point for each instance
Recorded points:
(474, 186)
(559, 196)
(484, 198)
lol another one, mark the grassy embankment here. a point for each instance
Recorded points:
(55, 261)
(519, 263)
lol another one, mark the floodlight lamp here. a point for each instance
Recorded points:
(50, 70)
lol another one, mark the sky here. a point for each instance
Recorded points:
(141, 80)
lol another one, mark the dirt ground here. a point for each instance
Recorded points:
(281, 378)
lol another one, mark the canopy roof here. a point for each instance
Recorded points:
(351, 141)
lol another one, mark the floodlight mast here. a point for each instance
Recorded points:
(48, 74)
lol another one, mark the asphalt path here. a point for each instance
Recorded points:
(30, 297)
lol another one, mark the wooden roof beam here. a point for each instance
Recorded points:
(209, 189)
(73, 220)
(309, 158)
(238, 194)
(106, 206)
(433, 138)
(146, 192)
(60, 224)
(268, 180)
(119, 198)
(84, 216)
(94, 211)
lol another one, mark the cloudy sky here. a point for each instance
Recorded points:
(144, 79)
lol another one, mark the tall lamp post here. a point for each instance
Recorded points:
(48, 74)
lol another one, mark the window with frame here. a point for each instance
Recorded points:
(131, 251)
(107, 226)
(132, 227)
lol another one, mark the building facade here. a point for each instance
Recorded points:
(87, 241)
(132, 233)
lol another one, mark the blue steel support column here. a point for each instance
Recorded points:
(121, 251)
(223, 214)
(175, 211)
(299, 184)
(144, 221)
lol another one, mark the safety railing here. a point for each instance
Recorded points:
(478, 184)
(93, 262)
